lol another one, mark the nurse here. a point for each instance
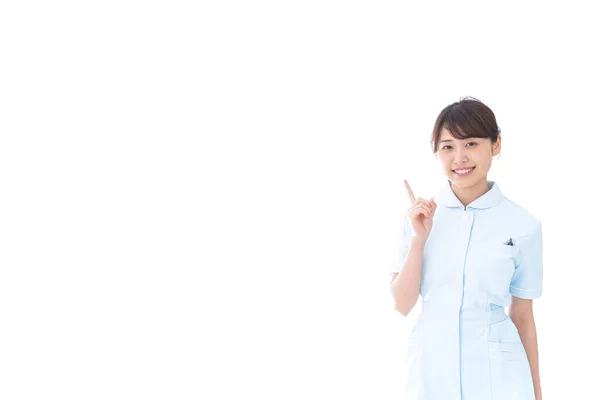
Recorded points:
(466, 254)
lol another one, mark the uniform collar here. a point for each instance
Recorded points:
(489, 199)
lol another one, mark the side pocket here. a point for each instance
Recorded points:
(510, 374)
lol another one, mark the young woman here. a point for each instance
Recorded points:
(468, 252)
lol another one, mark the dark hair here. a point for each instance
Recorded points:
(464, 119)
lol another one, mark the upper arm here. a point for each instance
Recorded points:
(520, 308)
(526, 282)
(404, 235)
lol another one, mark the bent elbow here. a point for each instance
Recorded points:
(402, 309)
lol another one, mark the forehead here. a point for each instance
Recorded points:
(446, 136)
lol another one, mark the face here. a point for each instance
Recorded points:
(466, 161)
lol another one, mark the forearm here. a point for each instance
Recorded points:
(407, 285)
(528, 334)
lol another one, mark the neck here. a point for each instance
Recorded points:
(468, 194)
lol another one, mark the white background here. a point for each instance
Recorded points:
(200, 200)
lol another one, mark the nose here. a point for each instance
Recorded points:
(459, 157)
(459, 160)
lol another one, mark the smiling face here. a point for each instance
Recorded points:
(466, 162)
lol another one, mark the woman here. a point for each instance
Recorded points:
(469, 252)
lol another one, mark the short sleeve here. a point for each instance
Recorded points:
(526, 282)
(404, 235)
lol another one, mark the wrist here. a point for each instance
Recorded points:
(417, 241)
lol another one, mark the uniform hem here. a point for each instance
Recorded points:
(525, 294)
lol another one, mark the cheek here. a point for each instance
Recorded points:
(484, 162)
(445, 160)
(483, 159)
(484, 166)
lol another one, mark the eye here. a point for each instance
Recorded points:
(448, 147)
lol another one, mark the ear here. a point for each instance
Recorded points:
(497, 146)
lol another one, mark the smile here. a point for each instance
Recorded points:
(463, 172)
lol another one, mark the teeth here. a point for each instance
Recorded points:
(462, 171)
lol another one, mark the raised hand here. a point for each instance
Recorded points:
(420, 213)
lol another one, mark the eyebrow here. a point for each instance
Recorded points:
(448, 140)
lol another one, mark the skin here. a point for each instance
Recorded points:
(471, 152)
(455, 154)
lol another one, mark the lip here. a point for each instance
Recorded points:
(467, 174)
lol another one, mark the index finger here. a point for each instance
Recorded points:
(411, 196)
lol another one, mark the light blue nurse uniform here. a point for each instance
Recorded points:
(463, 345)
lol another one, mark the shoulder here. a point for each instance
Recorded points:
(528, 222)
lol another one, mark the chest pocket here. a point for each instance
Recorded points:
(493, 265)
